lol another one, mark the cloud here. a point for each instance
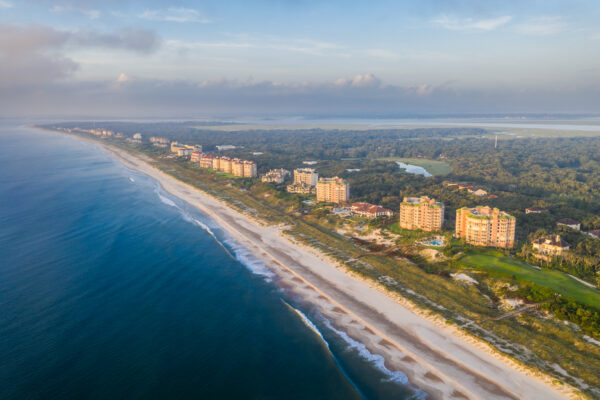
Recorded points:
(137, 40)
(123, 77)
(6, 4)
(90, 13)
(179, 15)
(32, 55)
(469, 24)
(358, 81)
(129, 98)
(268, 42)
(542, 26)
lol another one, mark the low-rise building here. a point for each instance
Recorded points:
(183, 152)
(332, 190)
(159, 141)
(277, 176)
(552, 246)
(368, 210)
(570, 223)
(421, 213)
(301, 188)
(486, 226)
(477, 192)
(594, 233)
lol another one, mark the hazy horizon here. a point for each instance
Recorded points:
(157, 58)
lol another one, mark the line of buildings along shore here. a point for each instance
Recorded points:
(479, 226)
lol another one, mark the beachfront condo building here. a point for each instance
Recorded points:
(177, 148)
(236, 166)
(276, 176)
(486, 226)
(421, 213)
(308, 176)
(206, 161)
(226, 165)
(332, 190)
(195, 158)
(249, 169)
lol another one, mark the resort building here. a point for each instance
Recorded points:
(276, 176)
(308, 176)
(485, 226)
(226, 165)
(370, 210)
(421, 213)
(195, 156)
(570, 223)
(237, 167)
(177, 147)
(159, 141)
(332, 190)
(250, 170)
(206, 161)
(552, 246)
(300, 188)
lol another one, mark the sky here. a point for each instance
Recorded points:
(275, 57)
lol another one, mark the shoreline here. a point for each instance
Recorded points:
(442, 360)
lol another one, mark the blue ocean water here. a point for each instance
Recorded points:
(112, 289)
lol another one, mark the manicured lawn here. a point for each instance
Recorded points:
(434, 167)
(555, 280)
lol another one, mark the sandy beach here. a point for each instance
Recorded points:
(439, 359)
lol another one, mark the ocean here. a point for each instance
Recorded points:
(110, 288)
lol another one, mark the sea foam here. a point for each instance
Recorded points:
(231, 247)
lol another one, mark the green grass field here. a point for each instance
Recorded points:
(434, 167)
(555, 280)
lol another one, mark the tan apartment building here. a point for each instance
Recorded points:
(421, 213)
(226, 165)
(195, 158)
(308, 176)
(249, 169)
(206, 161)
(486, 226)
(332, 190)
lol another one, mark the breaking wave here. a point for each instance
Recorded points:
(375, 359)
(231, 247)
